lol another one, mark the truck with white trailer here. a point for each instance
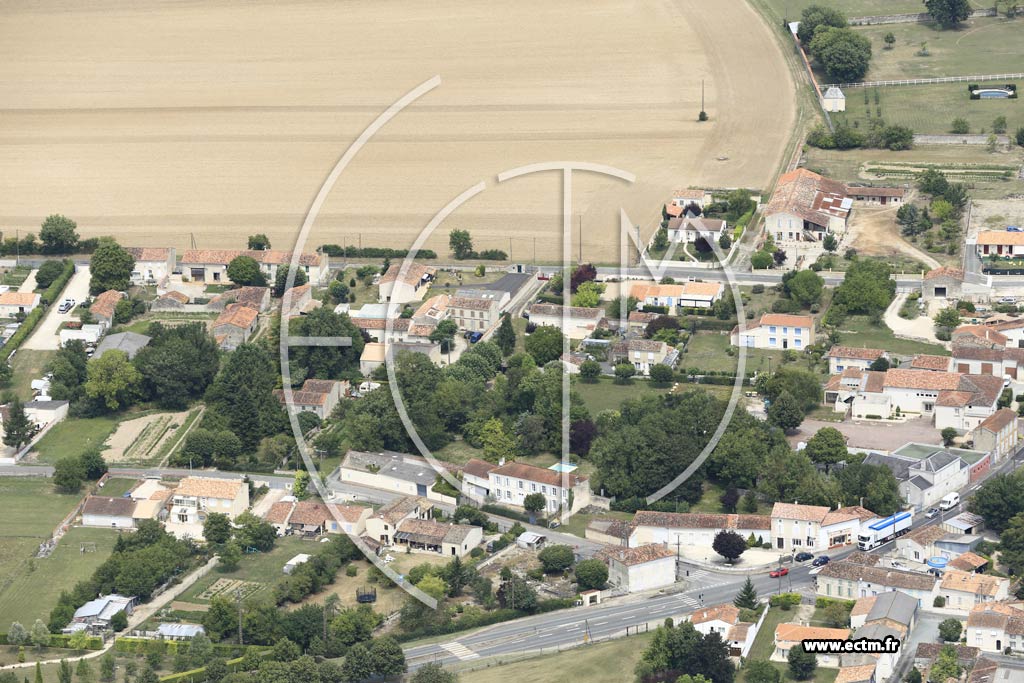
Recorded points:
(879, 530)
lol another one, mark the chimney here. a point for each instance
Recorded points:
(501, 462)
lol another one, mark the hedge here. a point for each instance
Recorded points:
(506, 512)
(30, 322)
(130, 645)
(785, 600)
(53, 292)
(374, 252)
(199, 675)
(825, 602)
(62, 640)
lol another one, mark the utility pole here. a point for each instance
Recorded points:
(581, 238)
(238, 599)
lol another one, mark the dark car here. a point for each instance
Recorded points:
(475, 337)
(803, 557)
(820, 561)
(776, 573)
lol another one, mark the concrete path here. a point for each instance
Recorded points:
(29, 285)
(46, 337)
(921, 328)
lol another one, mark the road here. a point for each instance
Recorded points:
(46, 337)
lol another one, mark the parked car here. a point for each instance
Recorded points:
(66, 305)
(803, 557)
(1013, 228)
(1008, 300)
(932, 513)
(816, 570)
(554, 524)
(776, 573)
(821, 560)
(474, 337)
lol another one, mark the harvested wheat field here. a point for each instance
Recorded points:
(155, 122)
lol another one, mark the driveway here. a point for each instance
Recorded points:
(29, 285)
(46, 337)
(871, 434)
(922, 327)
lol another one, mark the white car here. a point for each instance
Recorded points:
(66, 305)
(817, 570)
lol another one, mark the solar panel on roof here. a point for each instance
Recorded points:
(847, 203)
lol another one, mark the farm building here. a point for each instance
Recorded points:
(115, 513)
(833, 100)
(641, 568)
(806, 206)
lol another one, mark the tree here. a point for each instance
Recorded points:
(39, 674)
(760, 260)
(818, 15)
(119, 621)
(673, 651)
(505, 337)
(947, 317)
(515, 593)
(444, 334)
(545, 344)
(960, 126)
(1018, 136)
(785, 413)
(497, 444)
(747, 597)
(48, 272)
(1011, 544)
(999, 125)
(110, 267)
(748, 503)
(868, 288)
(590, 370)
(327, 362)
(914, 676)
(217, 528)
(948, 435)
(230, 556)
(108, 665)
(281, 280)
(243, 394)
(802, 664)
(729, 499)
(83, 672)
(830, 243)
(949, 630)
(68, 475)
(387, 658)
(880, 364)
(178, 364)
(556, 558)
(844, 53)
(805, 287)
(661, 374)
(18, 429)
(534, 503)
(827, 447)
(259, 242)
(39, 635)
(216, 670)
(17, 634)
(434, 673)
(591, 574)
(760, 671)
(890, 40)
(779, 256)
(624, 371)
(948, 13)
(113, 380)
(245, 271)
(946, 665)
(729, 545)
(64, 671)
(999, 500)
(460, 243)
(147, 675)
(837, 615)
(58, 234)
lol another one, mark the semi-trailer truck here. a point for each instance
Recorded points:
(879, 530)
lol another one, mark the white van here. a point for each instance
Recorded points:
(949, 501)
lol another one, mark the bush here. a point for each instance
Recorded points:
(351, 570)
(374, 252)
(939, 601)
(556, 558)
(784, 600)
(53, 292)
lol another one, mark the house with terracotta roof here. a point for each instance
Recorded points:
(109, 513)
(637, 321)
(689, 229)
(788, 636)
(842, 357)
(102, 307)
(153, 265)
(777, 331)
(849, 579)
(943, 283)
(864, 673)
(673, 529)
(608, 530)
(313, 518)
(724, 620)
(918, 545)
(476, 481)
(968, 562)
(196, 497)
(646, 567)
(994, 626)
(475, 310)
(170, 301)
(318, 396)
(411, 286)
(992, 244)
(812, 528)
(678, 297)
(683, 197)
(998, 361)
(642, 354)
(234, 326)
(806, 206)
(998, 434)
(372, 357)
(510, 482)
(880, 196)
(891, 608)
(984, 336)
(382, 525)
(437, 538)
(924, 361)
(14, 303)
(964, 590)
(211, 265)
(574, 321)
(257, 298)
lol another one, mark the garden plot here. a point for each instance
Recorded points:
(228, 587)
(139, 440)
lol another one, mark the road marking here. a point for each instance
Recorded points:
(460, 650)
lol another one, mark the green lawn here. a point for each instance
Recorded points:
(710, 501)
(26, 366)
(930, 109)
(764, 645)
(75, 436)
(707, 351)
(115, 486)
(34, 589)
(608, 662)
(577, 524)
(857, 330)
(365, 294)
(790, 9)
(262, 568)
(14, 277)
(31, 510)
(605, 394)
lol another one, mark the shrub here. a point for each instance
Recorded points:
(939, 601)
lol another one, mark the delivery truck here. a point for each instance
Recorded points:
(875, 532)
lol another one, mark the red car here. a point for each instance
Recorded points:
(776, 573)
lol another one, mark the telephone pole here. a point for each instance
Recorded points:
(238, 599)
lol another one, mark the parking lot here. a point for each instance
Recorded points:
(874, 435)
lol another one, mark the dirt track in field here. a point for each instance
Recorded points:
(162, 121)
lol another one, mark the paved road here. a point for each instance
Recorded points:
(46, 337)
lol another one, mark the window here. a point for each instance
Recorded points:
(796, 343)
(520, 483)
(771, 329)
(772, 341)
(533, 487)
(796, 542)
(543, 489)
(785, 330)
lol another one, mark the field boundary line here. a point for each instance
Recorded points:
(925, 81)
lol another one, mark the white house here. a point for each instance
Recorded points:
(196, 497)
(13, 303)
(776, 331)
(110, 513)
(96, 614)
(675, 297)
(153, 265)
(646, 567)
(318, 396)
(211, 265)
(994, 626)
(788, 636)
(689, 229)
(400, 473)
(643, 354)
(926, 479)
(510, 482)
(674, 529)
(842, 357)
(683, 197)
(476, 310)
(998, 434)
(964, 590)
(437, 538)
(410, 287)
(850, 580)
(814, 527)
(383, 524)
(806, 206)
(575, 322)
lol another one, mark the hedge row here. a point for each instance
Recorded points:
(53, 292)
(374, 252)
(28, 325)
(199, 675)
(825, 602)
(506, 512)
(143, 646)
(63, 640)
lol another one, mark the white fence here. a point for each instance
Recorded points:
(926, 81)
